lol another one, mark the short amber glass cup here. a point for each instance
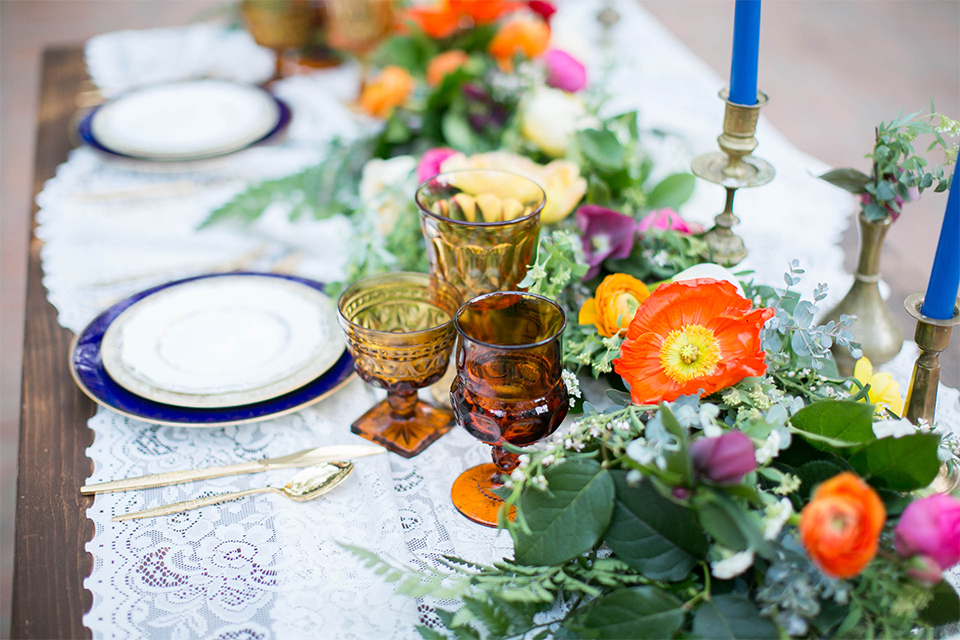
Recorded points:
(508, 387)
(400, 332)
(481, 228)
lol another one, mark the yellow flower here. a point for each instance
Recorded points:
(560, 179)
(884, 390)
(617, 299)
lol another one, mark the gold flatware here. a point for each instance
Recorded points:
(304, 458)
(309, 484)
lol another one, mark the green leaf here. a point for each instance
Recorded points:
(848, 179)
(901, 464)
(672, 191)
(944, 608)
(839, 420)
(602, 149)
(639, 612)
(429, 634)
(652, 534)
(457, 131)
(731, 617)
(570, 518)
(677, 461)
(813, 473)
(619, 398)
(730, 524)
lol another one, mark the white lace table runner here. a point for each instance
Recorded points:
(265, 567)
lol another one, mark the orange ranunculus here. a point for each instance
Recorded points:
(391, 89)
(483, 11)
(617, 300)
(527, 37)
(445, 63)
(690, 336)
(437, 21)
(840, 526)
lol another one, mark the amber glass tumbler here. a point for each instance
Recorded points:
(481, 228)
(508, 387)
(400, 332)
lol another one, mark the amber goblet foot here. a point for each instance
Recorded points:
(399, 330)
(508, 387)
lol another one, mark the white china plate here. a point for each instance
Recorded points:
(185, 120)
(222, 342)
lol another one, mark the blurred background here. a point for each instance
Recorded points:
(833, 69)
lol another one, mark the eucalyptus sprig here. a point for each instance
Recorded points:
(899, 174)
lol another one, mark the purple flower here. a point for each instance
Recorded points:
(930, 527)
(664, 219)
(724, 459)
(430, 162)
(924, 570)
(605, 234)
(564, 71)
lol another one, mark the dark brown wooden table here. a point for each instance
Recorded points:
(51, 525)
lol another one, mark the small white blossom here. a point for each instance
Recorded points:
(708, 412)
(517, 475)
(770, 448)
(712, 431)
(894, 428)
(634, 476)
(788, 485)
(572, 384)
(732, 566)
(774, 517)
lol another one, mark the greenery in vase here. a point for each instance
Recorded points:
(898, 174)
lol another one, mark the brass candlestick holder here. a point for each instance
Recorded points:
(932, 336)
(733, 167)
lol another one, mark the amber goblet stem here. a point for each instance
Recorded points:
(403, 404)
(506, 462)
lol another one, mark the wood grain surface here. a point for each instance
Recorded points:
(51, 525)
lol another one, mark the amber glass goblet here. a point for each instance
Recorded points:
(399, 330)
(481, 228)
(508, 387)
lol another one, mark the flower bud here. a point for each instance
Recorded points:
(564, 71)
(924, 570)
(725, 459)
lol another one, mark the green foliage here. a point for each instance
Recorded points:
(653, 534)
(672, 191)
(731, 617)
(897, 168)
(843, 421)
(641, 613)
(570, 518)
(902, 464)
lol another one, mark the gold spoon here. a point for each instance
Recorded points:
(308, 484)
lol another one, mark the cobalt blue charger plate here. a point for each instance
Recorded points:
(85, 134)
(87, 369)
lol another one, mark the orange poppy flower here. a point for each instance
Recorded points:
(528, 38)
(483, 11)
(443, 64)
(840, 526)
(689, 336)
(617, 300)
(436, 21)
(391, 89)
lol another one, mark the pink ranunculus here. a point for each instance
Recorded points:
(430, 162)
(724, 459)
(930, 527)
(564, 71)
(664, 219)
(543, 8)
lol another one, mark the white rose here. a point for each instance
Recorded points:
(551, 117)
(709, 270)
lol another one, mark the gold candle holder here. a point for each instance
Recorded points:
(733, 167)
(932, 336)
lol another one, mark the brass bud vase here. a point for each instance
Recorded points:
(875, 328)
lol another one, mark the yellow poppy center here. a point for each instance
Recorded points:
(690, 352)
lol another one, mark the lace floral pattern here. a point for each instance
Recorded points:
(263, 567)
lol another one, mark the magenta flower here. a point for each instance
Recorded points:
(564, 71)
(664, 219)
(605, 234)
(930, 527)
(724, 459)
(543, 8)
(430, 162)
(913, 192)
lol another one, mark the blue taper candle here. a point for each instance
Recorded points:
(746, 46)
(945, 277)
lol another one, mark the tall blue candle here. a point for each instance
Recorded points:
(746, 45)
(945, 278)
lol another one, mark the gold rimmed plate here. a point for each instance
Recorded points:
(86, 365)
